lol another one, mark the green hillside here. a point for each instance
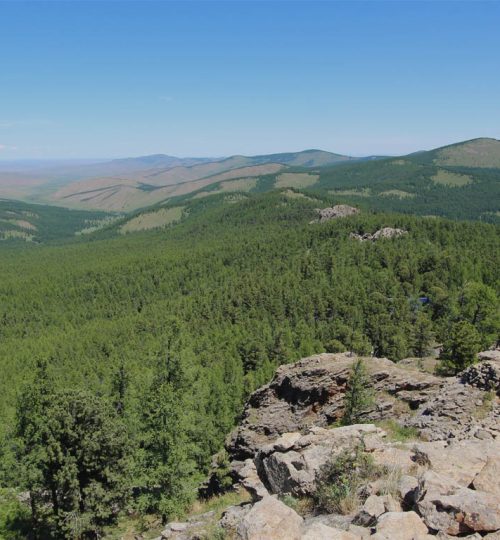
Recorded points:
(207, 309)
(21, 222)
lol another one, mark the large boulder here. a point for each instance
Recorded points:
(488, 478)
(385, 232)
(486, 374)
(446, 506)
(401, 526)
(270, 519)
(294, 471)
(460, 461)
(462, 409)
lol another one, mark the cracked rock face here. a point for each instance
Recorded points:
(443, 485)
(311, 393)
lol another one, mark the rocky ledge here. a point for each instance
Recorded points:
(442, 482)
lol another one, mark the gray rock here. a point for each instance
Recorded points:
(270, 518)
(295, 471)
(401, 526)
(446, 506)
(385, 232)
(372, 508)
(250, 480)
(337, 211)
(232, 517)
(311, 393)
(488, 478)
(319, 531)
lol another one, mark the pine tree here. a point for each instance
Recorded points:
(73, 447)
(359, 395)
(167, 454)
(422, 335)
(461, 346)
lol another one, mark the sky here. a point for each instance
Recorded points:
(103, 79)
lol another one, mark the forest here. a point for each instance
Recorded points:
(125, 361)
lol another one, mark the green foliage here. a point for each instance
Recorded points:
(340, 481)
(422, 335)
(166, 458)
(72, 449)
(15, 520)
(397, 432)
(359, 394)
(22, 223)
(461, 346)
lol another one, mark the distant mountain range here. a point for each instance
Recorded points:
(459, 180)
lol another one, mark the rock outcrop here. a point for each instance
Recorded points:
(385, 232)
(311, 393)
(442, 484)
(337, 211)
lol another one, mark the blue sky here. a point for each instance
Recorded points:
(108, 79)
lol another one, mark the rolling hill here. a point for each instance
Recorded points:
(460, 181)
(131, 183)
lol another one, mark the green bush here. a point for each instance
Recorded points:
(15, 521)
(340, 482)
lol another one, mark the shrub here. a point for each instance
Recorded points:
(340, 483)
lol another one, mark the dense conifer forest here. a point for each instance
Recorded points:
(146, 345)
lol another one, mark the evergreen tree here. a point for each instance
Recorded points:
(461, 346)
(166, 450)
(359, 394)
(72, 446)
(422, 335)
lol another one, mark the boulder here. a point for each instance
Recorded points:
(250, 480)
(385, 232)
(372, 508)
(270, 518)
(295, 471)
(406, 489)
(488, 478)
(446, 506)
(486, 374)
(232, 517)
(319, 531)
(458, 460)
(401, 526)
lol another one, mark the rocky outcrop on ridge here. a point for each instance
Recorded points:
(311, 393)
(385, 232)
(337, 211)
(441, 484)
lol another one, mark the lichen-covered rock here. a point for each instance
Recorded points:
(295, 471)
(270, 519)
(486, 374)
(460, 410)
(311, 393)
(446, 506)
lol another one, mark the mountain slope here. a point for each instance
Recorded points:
(169, 178)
